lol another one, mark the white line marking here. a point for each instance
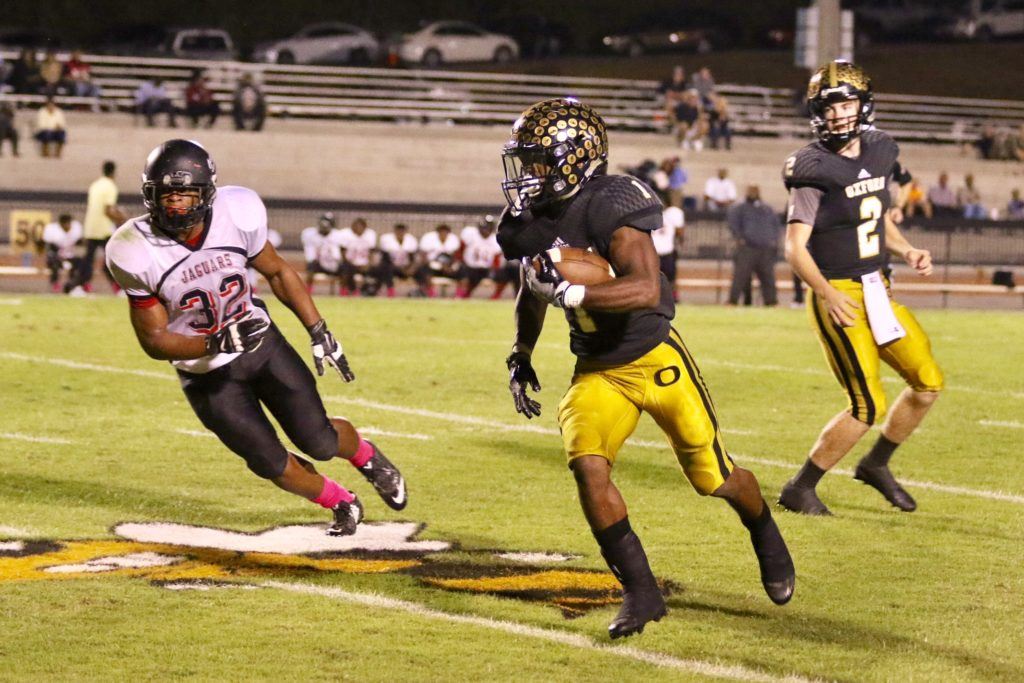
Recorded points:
(15, 531)
(494, 424)
(693, 666)
(643, 443)
(14, 436)
(12, 546)
(75, 365)
(997, 423)
(196, 433)
(373, 431)
(10, 302)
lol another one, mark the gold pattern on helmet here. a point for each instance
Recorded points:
(835, 74)
(574, 140)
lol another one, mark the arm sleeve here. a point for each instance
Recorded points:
(621, 201)
(803, 205)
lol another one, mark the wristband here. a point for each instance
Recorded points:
(573, 296)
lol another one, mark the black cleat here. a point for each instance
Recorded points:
(778, 576)
(347, 517)
(386, 479)
(881, 479)
(803, 500)
(639, 606)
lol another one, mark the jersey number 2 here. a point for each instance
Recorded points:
(867, 232)
(232, 290)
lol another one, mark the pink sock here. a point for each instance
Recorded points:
(363, 454)
(332, 494)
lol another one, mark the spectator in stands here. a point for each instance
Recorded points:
(756, 229)
(78, 74)
(689, 121)
(986, 144)
(480, 254)
(704, 83)
(24, 78)
(322, 251)
(102, 216)
(199, 101)
(398, 251)
(719, 117)
(667, 240)
(672, 89)
(439, 249)
(249, 107)
(61, 240)
(51, 71)
(942, 197)
(8, 128)
(913, 200)
(719, 191)
(969, 199)
(1017, 145)
(51, 129)
(677, 179)
(358, 243)
(1015, 207)
(151, 99)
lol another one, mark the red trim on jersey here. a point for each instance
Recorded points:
(194, 242)
(143, 301)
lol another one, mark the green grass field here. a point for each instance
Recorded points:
(934, 595)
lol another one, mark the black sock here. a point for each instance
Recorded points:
(808, 476)
(880, 453)
(622, 550)
(757, 525)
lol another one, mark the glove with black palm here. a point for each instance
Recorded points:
(327, 350)
(520, 376)
(238, 337)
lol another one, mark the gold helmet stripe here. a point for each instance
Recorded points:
(833, 77)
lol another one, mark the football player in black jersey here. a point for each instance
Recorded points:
(629, 359)
(839, 231)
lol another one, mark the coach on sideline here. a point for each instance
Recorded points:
(756, 229)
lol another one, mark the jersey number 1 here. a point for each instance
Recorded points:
(867, 232)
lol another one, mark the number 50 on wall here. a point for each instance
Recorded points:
(26, 230)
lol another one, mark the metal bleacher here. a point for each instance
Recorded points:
(460, 97)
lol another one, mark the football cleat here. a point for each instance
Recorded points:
(347, 517)
(639, 606)
(778, 575)
(386, 479)
(802, 500)
(881, 479)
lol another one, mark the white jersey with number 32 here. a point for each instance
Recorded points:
(202, 286)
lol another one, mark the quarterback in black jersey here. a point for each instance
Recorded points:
(629, 359)
(838, 236)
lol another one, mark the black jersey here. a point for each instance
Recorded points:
(588, 220)
(848, 236)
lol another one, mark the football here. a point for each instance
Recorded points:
(579, 266)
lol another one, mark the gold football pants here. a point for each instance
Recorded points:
(854, 356)
(602, 406)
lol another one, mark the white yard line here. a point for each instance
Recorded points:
(373, 431)
(10, 302)
(497, 425)
(698, 667)
(196, 433)
(15, 531)
(15, 436)
(997, 423)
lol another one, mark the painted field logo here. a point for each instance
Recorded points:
(183, 557)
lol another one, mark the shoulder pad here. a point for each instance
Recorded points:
(128, 248)
(802, 168)
(245, 207)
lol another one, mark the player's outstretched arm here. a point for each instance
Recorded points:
(289, 288)
(918, 259)
(638, 275)
(529, 321)
(841, 308)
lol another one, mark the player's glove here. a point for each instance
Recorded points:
(520, 376)
(549, 286)
(326, 349)
(237, 337)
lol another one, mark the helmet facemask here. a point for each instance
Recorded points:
(176, 221)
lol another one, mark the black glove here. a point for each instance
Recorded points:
(548, 285)
(237, 337)
(326, 349)
(521, 375)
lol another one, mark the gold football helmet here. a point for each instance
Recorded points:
(839, 81)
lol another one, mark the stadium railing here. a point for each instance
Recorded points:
(461, 97)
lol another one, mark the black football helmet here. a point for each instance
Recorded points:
(174, 166)
(839, 81)
(556, 147)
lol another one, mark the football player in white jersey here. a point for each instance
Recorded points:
(321, 249)
(61, 240)
(358, 244)
(666, 240)
(480, 253)
(183, 268)
(440, 251)
(399, 253)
